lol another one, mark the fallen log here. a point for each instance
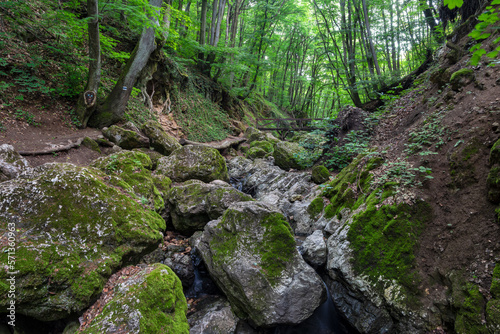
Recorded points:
(54, 149)
(221, 146)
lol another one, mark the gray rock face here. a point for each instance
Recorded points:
(194, 203)
(216, 317)
(290, 192)
(314, 249)
(251, 254)
(126, 139)
(160, 140)
(194, 162)
(12, 164)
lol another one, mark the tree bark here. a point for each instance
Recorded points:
(113, 108)
(87, 102)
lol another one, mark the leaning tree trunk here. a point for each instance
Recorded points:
(113, 108)
(87, 101)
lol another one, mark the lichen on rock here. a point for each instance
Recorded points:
(73, 229)
(251, 254)
(194, 162)
(133, 167)
(142, 299)
(286, 155)
(194, 203)
(12, 164)
(159, 139)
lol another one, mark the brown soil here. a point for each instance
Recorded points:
(463, 234)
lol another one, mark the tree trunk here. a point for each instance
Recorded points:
(113, 108)
(87, 101)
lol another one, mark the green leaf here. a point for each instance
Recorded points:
(484, 36)
(495, 2)
(476, 57)
(453, 3)
(496, 40)
(493, 54)
(475, 47)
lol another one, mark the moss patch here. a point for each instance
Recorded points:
(469, 317)
(320, 174)
(384, 240)
(316, 207)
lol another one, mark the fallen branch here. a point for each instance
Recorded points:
(222, 146)
(55, 149)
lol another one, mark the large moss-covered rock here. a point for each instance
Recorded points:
(133, 167)
(194, 203)
(12, 164)
(286, 155)
(126, 139)
(73, 229)
(253, 134)
(194, 162)
(160, 140)
(320, 174)
(251, 254)
(142, 299)
(260, 149)
(461, 78)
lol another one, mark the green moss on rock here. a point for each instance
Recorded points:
(264, 145)
(93, 227)
(495, 153)
(124, 138)
(133, 167)
(256, 152)
(91, 144)
(469, 316)
(320, 174)
(194, 162)
(461, 78)
(150, 301)
(287, 155)
(316, 207)
(383, 240)
(159, 139)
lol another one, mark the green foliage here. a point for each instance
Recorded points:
(482, 31)
(26, 116)
(430, 133)
(355, 143)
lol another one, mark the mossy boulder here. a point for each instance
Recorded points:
(320, 174)
(260, 149)
(142, 299)
(256, 153)
(469, 302)
(493, 183)
(159, 139)
(91, 144)
(251, 254)
(134, 169)
(194, 203)
(126, 139)
(152, 154)
(194, 162)
(461, 78)
(12, 164)
(252, 134)
(74, 227)
(495, 153)
(440, 76)
(264, 145)
(286, 155)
